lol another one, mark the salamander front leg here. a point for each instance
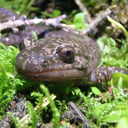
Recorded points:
(104, 74)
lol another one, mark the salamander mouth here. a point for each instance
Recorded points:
(53, 75)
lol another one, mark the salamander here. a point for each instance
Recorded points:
(59, 56)
(63, 58)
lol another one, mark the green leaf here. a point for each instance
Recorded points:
(56, 13)
(78, 25)
(35, 35)
(104, 41)
(116, 77)
(78, 18)
(123, 123)
(119, 25)
(111, 112)
(95, 90)
(115, 115)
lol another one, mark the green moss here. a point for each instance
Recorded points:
(8, 75)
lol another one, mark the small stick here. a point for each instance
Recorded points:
(82, 118)
(51, 21)
(96, 21)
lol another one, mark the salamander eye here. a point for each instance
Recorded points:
(66, 54)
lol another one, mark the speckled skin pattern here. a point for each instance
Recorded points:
(41, 61)
(49, 59)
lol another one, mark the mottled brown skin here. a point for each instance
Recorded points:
(48, 59)
(42, 61)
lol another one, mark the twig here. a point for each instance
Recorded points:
(81, 117)
(96, 21)
(92, 24)
(20, 22)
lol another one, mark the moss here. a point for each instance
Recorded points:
(8, 75)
